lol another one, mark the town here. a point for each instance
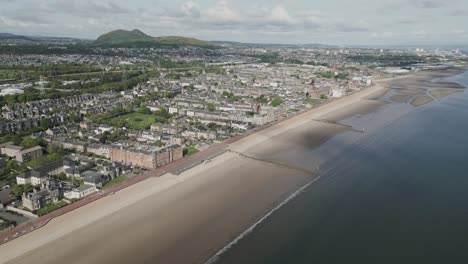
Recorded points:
(74, 122)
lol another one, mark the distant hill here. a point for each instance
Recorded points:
(8, 36)
(136, 38)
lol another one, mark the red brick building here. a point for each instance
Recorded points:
(148, 159)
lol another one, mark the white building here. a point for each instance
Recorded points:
(338, 92)
(32, 177)
(173, 110)
(80, 192)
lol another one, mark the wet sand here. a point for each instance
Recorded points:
(421, 100)
(444, 92)
(421, 88)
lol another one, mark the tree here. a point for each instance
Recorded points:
(144, 110)
(159, 144)
(116, 136)
(323, 97)
(162, 115)
(61, 176)
(102, 138)
(55, 149)
(74, 118)
(45, 123)
(261, 99)
(33, 142)
(276, 101)
(18, 190)
(15, 138)
(54, 157)
(211, 107)
(12, 165)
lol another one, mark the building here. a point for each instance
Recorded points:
(94, 178)
(33, 177)
(29, 154)
(149, 137)
(166, 129)
(80, 192)
(147, 158)
(72, 145)
(338, 92)
(9, 149)
(19, 153)
(100, 150)
(40, 198)
(38, 176)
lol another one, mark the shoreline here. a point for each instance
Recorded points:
(194, 176)
(11, 234)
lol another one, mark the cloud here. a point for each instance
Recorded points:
(430, 3)
(295, 21)
(86, 8)
(222, 13)
(191, 9)
(459, 13)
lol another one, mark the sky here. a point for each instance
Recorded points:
(337, 22)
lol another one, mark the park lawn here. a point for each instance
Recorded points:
(312, 101)
(4, 225)
(134, 120)
(42, 161)
(51, 207)
(189, 151)
(115, 181)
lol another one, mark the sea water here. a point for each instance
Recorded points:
(398, 195)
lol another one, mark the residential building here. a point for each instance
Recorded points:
(9, 149)
(146, 158)
(32, 177)
(29, 154)
(40, 198)
(80, 192)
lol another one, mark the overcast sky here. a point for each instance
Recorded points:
(267, 21)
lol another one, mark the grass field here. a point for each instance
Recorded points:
(115, 181)
(51, 207)
(312, 101)
(189, 151)
(132, 121)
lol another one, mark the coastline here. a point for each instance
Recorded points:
(386, 196)
(222, 177)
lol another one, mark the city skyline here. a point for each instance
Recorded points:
(362, 22)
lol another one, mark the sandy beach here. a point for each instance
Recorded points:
(189, 217)
(154, 220)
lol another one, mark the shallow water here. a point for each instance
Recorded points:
(396, 194)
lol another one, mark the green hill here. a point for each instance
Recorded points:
(138, 39)
(122, 36)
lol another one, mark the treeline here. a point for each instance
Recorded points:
(31, 94)
(47, 49)
(271, 58)
(9, 71)
(331, 75)
(169, 64)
